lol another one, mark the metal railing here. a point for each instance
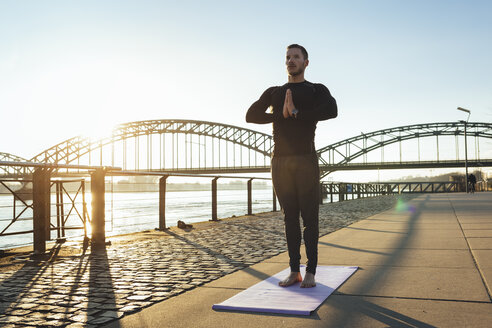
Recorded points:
(62, 214)
(38, 200)
(42, 184)
(41, 199)
(23, 205)
(360, 190)
(20, 199)
(163, 187)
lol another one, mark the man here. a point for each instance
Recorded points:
(296, 107)
(472, 179)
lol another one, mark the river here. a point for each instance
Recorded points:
(136, 211)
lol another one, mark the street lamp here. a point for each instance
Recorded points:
(466, 147)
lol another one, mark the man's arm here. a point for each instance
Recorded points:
(325, 106)
(257, 112)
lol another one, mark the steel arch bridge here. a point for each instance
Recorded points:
(352, 153)
(203, 146)
(209, 147)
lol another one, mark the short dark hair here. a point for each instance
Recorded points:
(298, 46)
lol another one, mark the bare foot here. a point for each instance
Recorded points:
(308, 281)
(291, 279)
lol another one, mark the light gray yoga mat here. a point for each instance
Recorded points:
(268, 296)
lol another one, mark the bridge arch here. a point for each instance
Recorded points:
(210, 143)
(347, 151)
(207, 147)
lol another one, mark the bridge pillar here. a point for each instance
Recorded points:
(250, 197)
(98, 208)
(214, 199)
(162, 202)
(41, 210)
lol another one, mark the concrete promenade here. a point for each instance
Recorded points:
(426, 263)
(77, 287)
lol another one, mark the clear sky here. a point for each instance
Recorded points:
(79, 67)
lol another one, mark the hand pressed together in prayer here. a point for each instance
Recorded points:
(288, 104)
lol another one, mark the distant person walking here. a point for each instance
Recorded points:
(296, 107)
(472, 180)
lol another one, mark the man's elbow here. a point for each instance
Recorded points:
(334, 109)
(335, 112)
(249, 118)
(331, 111)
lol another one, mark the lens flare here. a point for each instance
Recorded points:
(401, 206)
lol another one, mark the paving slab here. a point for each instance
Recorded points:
(435, 258)
(417, 282)
(478, 233)
(483, 258)
(476, 226)
(409, 240)
(480, 243)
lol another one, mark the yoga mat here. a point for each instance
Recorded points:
(268, 296)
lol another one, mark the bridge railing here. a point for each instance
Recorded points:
(340, 191)
(483, 185)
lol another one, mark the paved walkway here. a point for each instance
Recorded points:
(427, 263)
(82, 289)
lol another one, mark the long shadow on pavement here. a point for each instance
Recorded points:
(16, 289)
(101, 295)
(384, 315)
(37, 294)
(349, 305)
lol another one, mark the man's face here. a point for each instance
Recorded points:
(295, 62)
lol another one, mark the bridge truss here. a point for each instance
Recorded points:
(209, 147)
(385, 148)
(12, 170)
(167, 145)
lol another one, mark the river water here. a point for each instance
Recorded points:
(134, 211)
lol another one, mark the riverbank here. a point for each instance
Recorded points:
(73, 285)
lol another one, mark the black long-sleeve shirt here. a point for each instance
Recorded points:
(294, 136)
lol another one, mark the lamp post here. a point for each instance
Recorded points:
(466, 145)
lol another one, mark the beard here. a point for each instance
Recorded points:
(296, 72)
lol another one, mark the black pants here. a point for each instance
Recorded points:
(296, 182)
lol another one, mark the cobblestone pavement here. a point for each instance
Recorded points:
(95, 288)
